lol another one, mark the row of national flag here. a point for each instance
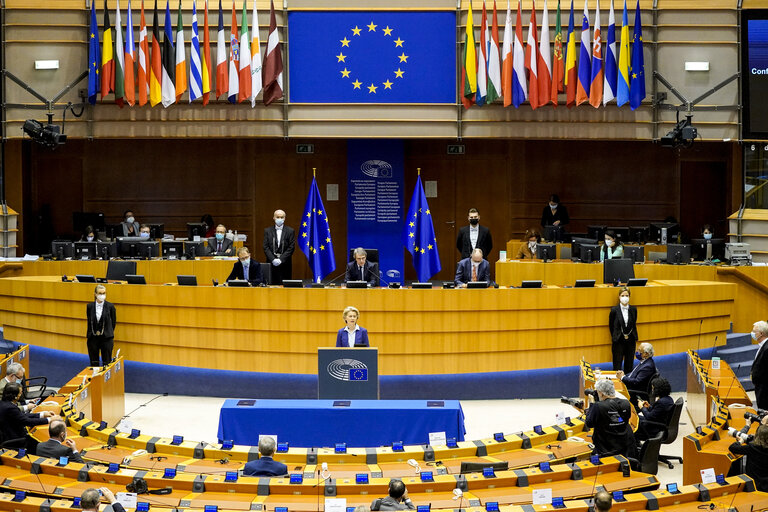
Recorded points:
(537, 73)
(164, 74)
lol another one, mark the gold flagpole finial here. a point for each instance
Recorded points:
(314, 172)
(418, 171)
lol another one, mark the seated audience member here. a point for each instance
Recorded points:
(352, 335)
(527, 249)
(603, 501)
(91, 235)
(58, 445)
(14, 372)
(219, 244)
(210, 226)
(129, 224)
(265, 465)
(246, 269)
(90, 499)
(554, 214)
(640, 376)
(707, 233)
(397, 500)
(13, 422)
(474, 268)
(145, 232)
(362, 270)
(756, 451)
(654, 417)
(609, 417)
(612, 248)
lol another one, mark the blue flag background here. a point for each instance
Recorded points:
(315, 235)
(372, 57)
(94, 58)
(637, 73)
(419, 235)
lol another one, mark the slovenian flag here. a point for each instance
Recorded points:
(585, 60)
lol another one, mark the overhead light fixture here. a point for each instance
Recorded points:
(696, 66)
(46, 64)
(48, 135)
(682, 135)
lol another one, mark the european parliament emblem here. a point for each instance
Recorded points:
(348, 370)
(372, 57)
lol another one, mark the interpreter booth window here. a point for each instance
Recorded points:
(756, 175)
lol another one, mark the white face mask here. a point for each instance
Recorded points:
(609, 243)
(246, 262)
(279, 222)
(89, 238)
(101, 297)
(129, 220)
(624, 300)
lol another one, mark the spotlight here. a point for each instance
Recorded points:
(682, 135)
(48, 135)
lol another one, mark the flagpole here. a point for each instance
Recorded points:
(418, 171)
(314, 176)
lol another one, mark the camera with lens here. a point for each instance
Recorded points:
(138, 486)
(741, 436)
(761, 413)
(573, 402)
(592, 393)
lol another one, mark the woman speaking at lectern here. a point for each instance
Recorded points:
(352, 335)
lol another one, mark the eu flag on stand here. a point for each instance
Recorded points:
(419, 235)
(315, 235)
(94, 58)
(637, 81)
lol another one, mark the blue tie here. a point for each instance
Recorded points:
(245, 271)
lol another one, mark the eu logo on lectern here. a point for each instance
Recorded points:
(372, 57)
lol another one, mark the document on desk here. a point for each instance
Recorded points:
(542, 496)
(437, 438)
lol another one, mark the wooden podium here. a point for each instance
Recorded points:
(102, 398)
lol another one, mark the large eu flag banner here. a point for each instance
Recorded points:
(372, 57)
(315, 235)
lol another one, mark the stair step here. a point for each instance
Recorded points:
(746, 383)
(749, 349)
(738, 339)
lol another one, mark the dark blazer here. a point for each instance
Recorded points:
(283, 250)
(265, 466)
(371, 273)
(13, 421)
(226, 245)
(617, 326)
(548, 218)
(610, 420)
(109, 321)
(254, 272)
(53, 449)
(641, 375)
(464, 271)
(660, 412)
(361, 338)
(484, 242)
(760, 377)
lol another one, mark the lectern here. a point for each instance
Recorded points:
(348, 373)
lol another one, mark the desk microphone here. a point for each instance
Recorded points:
(332, 281)
(698, 345)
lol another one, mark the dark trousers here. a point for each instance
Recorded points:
(623, 351)
(761, 396)
(100, 344)
(277, 274)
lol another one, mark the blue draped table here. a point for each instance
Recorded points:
(317, 423)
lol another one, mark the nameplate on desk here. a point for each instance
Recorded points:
(435, 403)
(246, 403)
(341, 403)
(107, 375)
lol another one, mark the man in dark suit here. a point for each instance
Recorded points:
(279, 244)
(246, 269)
(622, 322)
(396, 500)
(474, 268)
(14, 423)
(362, 270)
(474, 236)
(265, 465)
(760, 365)
(640, 376)
(58, 445)
(91, 498)
(220, 245)
(102, 318)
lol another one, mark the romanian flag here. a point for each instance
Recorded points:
(156, 67)
(570, 64)
(506, 53)
(469, 61)
(206, 59)
(222, 81)
(519, 87)
(119, 59)
(143, 59)
(558, 66)
(482, 62)
(107, 61)
(596, 86)
(234, 59)
(169, 66)
(585, 60)
(544, 66)
(622, 85)
(611, 60)
(94, 58)
(244, 71)
(181, 57)
(637, 76)
(532, 59)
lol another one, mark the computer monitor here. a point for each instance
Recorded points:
(477, 284)
(639, 234)
(86, 251)
(638, 281)
(421, 286)
(576, 243)
(61, 249)
(106, 250)
(135, 279)
(584, 283)
(187, 280)
(196, 229)
(113, 231)
(618, 270)
(238, 283)
(172, 250)
(663, 232)
(81, 220)
(553, 233)
(679, 254)
(128, 246)
(589, 253)
(156, 231)
(83, 278)
(149, 250)
(117, 270)
(357, 284)
(636, 253)
(478, 467)
(546, 252)
(705, 250)
(293, 283)
(596, 232)
(622, 233)
(193, 250)
(531, 284)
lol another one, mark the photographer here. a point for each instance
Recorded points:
(757, 456)
(609, 417)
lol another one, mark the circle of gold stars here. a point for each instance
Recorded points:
(402, 59)
(304, 232)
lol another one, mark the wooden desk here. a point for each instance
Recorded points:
(20, 355)
(704, 384)
(588, 380)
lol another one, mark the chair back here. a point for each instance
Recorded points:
(649, 454)
(674, 421)
(266, 272)
(117, 270)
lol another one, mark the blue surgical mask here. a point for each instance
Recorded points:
(279, 222)
(246, 262)
(638, 356)
(219, 236)
(89, 238)
(707, 236)
(754, 336)
(144, 234)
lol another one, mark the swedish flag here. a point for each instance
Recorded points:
(419, 235)
(315, 235)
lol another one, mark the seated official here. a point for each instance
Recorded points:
(14, 372)
(362, 270)
(91, 235)
(474, 268)
(609, 419)
(265, 465)
(14, 423)
(220, 245)
(603, 501)
(554, 214)
(129, 225)
(612, 248)
(756, 451)
(246, 269)
(397, 500)
(91, 499)
(145, 232)
(58, 445)
(640, 376)
(527, 249)
(653, 417)
(352, 335)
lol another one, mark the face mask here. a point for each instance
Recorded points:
(246, 262)
(279, 222)
(754, 336)
(219, 236)
(707, 236)
(624, 300)
(609, 243)
(89, 238)
(101, 297)
(474, 222)
(553, 206)
(638, 356)
(129, 220)
(144, 234)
